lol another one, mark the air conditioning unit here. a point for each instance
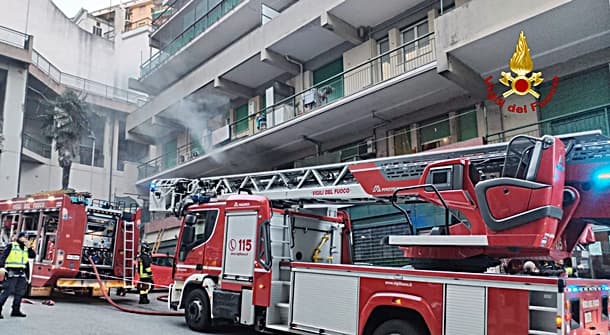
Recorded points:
(366, 149)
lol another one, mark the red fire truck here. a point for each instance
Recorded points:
(279, 258)
(66, 229)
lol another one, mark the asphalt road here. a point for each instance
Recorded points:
(72, 315)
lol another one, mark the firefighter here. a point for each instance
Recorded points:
(15, 260)
(145, 272)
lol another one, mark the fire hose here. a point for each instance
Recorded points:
(124, 309)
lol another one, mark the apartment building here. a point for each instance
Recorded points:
(42, 54)
(130, 14)
(248, 85)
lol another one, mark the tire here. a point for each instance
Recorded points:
(197, 311)
(397, 327)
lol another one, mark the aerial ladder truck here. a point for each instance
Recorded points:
(273, 250)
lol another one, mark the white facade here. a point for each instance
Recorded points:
(61, 55)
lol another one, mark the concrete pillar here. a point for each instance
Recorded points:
(395, 57)
(414, 137)
(432, 14)
(10, 158)
(453, 127)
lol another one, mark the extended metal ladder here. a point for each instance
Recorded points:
(334, 183)
(128, 253)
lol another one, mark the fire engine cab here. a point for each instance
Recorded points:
(66, 229)
(273, 250)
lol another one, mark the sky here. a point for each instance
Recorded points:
(71, 7)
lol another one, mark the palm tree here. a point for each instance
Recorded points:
(65, 121)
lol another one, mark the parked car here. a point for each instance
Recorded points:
(162, 270)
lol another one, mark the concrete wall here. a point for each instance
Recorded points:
(12, 126)
(72, 49)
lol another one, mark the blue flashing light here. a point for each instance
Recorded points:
(572, 288)
(153, 186)
(199, 198)
(604, 287)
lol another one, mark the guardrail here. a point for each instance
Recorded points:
(388, 65)
(84, 84)
(583, 120)
(37, 146)
(193, 30)
(14, 38)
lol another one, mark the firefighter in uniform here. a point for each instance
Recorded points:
(145, 272)
(14, 262)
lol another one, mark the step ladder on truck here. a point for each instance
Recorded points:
(273, 250)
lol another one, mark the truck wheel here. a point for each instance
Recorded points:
(397, 327)
(197, 310)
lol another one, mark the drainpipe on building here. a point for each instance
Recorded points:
(111, 158)
(294, 61)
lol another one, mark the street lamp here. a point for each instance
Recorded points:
(92, 137)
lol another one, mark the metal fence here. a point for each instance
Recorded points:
(14, 38)
(200, 25)
(369, 249)
(583, 120)
(37, 146)
(86, 85)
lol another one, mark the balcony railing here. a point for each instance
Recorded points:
(171, 8)
(37, 146)
(86, 85)
(14, 38)
(388, 65)
(191, 32)
(183, 154)
(395, 62)
(584, 120)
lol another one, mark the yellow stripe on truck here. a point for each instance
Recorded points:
(89, 283)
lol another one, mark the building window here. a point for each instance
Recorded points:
(129, 151)
(87, 151)
(402, 141)
(383, 46)
(330, 89)
(97, 31)
(434, 133)
(467, 124)
(414, 45)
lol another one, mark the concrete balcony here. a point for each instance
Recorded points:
(15, 45)
(36, 150)
(210, 33)
(477, 39)
(338, 110)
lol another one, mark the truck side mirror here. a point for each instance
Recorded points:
(189, 235)
(190, 220)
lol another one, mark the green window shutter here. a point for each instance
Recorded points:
(435, 130)
(577, 93)
(467, 125)
(326, 72)
(170, 153)
(241, 118)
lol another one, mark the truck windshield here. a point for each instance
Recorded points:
(204, 227)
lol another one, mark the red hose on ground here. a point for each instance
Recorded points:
(163, 297)
(124, 309)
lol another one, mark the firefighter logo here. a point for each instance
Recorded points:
(521, 81)
(521, 64)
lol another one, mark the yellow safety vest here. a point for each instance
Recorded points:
(17, 258)
(144, 273)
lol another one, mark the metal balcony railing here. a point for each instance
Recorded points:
(171, 8)
(86, 85)
(388, 65)
(14, 38)
(191, 32)
(183, 154)
(37, 146)
(583, 120)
